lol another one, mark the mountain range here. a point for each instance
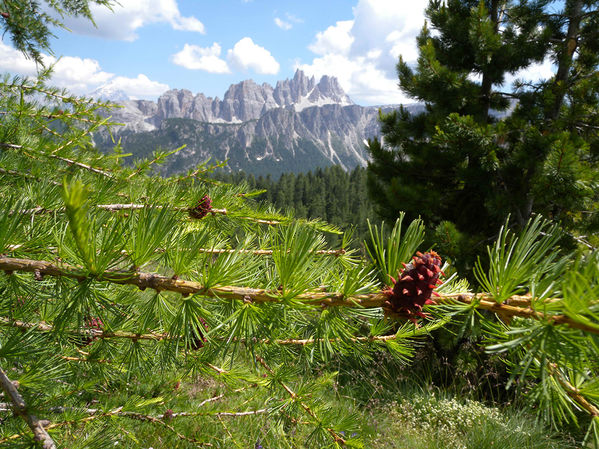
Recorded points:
(298, 125)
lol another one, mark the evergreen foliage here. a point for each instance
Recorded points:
(110, 276)
(332, 194)
(480, 151)
(29, 25)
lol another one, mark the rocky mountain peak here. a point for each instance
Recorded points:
(301, 84)
(242, 102)
(246, 87)
(330, 86)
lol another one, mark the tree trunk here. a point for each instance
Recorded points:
(487, 82)
(573, 10)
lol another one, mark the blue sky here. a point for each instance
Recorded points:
(145, 47)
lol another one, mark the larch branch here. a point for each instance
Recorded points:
(60, 158)
(338, 438)
(19, 407)
(573, 392)
(159, 282)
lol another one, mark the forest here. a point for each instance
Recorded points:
(198, 310)
(332, 194)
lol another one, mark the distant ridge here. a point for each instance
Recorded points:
(296, 126)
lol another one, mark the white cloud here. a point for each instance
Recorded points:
(293, 18)
(246, 55)
(138, 87)
(385, 23)
(336, 39)
(129, 15)
(363, 52)
(188, 24)
(282, 24)
(79, 75)
(402, 46)
(13, 61)
(208, 59)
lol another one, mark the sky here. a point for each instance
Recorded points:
(145, 47)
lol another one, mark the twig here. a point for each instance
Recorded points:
(572, 391)
(158, 282)
(100, 334)
(294, 396)
(255, 252)
(132, 206)
(80, 164)
(92, 333)
(81, 135)
(20, 408)
(578, 239)
(64, 159)
(213, 211)
(115, 412)
(27, 175)
(155, 160)
(487, 303)
(266, 252)
(92, 411)
(37, 211)
(228, 432)
(11, 146)
(49, 93)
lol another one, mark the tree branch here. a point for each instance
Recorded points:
(20, 408)
(336, 437)
(60, 158)
(82, 165)
(159, 282)
(27, 176)
(131, 206)
(572, 391)
(101, 334)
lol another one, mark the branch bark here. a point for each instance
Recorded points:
(64, 159)
(158, 282)
(132, 206)
(20, 408)
(100, 334)
(566, 55)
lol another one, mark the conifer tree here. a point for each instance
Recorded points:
(481, 151)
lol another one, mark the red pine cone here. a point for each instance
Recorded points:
(202, 208)
(415, 286)
(5, 15)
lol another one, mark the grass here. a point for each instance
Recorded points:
(428, 421)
